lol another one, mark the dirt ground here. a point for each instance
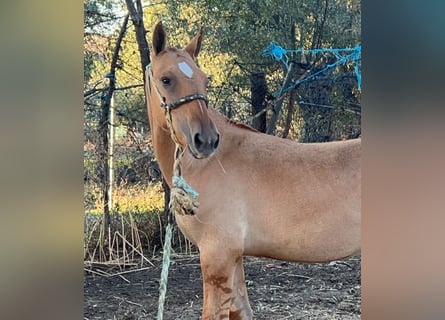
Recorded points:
(277, 290)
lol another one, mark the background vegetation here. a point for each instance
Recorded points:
(243, 83)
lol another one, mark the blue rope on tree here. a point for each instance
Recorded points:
(302, 102)
(353, 55)
(277, 52)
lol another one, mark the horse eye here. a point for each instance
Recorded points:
(165, 81)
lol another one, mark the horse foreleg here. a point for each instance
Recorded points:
(218, 267)
(240, 307)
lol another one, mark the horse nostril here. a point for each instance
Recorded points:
(216, 143)
(198, 141)
(205, 144)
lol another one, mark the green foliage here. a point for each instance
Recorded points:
(99, 15)
(237, 31)
(240, 30)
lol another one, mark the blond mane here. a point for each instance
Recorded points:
(241, 125)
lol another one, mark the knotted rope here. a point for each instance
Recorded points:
(183, 199)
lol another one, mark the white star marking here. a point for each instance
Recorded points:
(185, 68)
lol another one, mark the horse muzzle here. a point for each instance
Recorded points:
(204, 144)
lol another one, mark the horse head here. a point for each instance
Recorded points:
(180, 87)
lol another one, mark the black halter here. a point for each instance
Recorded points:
(180, 101)
(183, 100)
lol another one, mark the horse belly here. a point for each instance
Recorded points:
(318, 238)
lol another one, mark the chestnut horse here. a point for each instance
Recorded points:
(259, 195)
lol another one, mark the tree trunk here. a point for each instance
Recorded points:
(290, 111)
(279, 102)
(104, 124)
(317, 119)
(105, 121)
(258, 88)
(319, 26)
(144, 52)
(137, 17)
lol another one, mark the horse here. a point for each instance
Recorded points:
(259, 195)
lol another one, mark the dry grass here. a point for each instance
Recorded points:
(134, 221)
(123, 243)
(137, 198)
(134, 229)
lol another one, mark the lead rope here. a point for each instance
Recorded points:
(164, 273)
(183, 200)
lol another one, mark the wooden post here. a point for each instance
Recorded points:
(110, 154)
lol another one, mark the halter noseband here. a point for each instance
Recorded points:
(183, 100)
(175, 104)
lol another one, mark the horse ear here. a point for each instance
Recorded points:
(194, 47)
(159, 38)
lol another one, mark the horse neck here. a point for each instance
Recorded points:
(163, 144)
(230, 129)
